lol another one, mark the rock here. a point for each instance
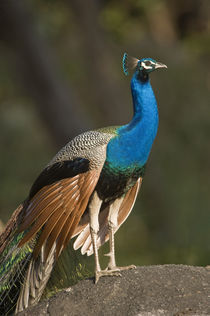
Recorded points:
(145, 291)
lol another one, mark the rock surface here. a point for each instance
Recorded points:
(146, 291)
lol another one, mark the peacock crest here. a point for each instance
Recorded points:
(129, 63)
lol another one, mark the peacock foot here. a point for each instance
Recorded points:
(112, 271)
(107, 272)
(116, 268)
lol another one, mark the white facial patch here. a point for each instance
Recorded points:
(147, 64)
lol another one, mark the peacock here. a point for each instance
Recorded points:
(85, 192)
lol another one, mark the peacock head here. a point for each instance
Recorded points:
(144, 65)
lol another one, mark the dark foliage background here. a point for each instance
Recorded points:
(61, 74)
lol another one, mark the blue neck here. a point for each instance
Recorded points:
(134, 141)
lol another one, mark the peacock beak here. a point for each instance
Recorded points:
(160, 65)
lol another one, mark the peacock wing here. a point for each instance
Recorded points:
(56, 208)
(53, 212)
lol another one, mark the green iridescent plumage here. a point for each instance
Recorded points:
(13, 265)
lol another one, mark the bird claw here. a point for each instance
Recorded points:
(132, 266)
(116, 268)
(106, 272)
(114, 271)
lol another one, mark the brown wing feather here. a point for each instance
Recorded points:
(77, 219)
(128, 203)
(48, 210)
(47, 206)
(72, 221)
(53, 222)
(58, 225)
(35, 209)
(58, 214)
(45, 197)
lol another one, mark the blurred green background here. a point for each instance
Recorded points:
(61, 74)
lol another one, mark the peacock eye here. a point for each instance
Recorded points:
(147, 63)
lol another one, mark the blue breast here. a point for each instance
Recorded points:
(131, 147)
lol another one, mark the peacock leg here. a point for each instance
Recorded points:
(112, 222)
(94, 208)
